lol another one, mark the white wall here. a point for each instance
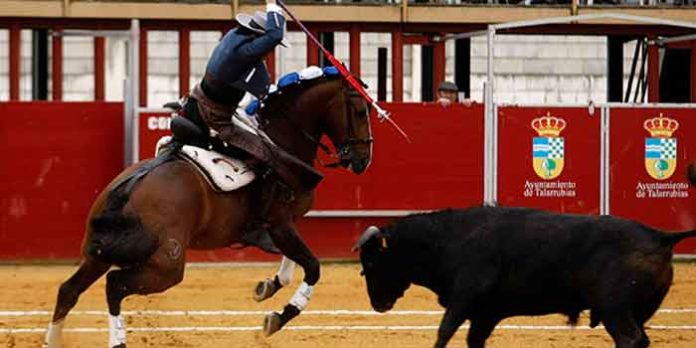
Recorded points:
(529, 69)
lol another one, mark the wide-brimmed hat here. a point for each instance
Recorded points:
(260, 18)
(249, 22)
(448, 86)
(256, 23)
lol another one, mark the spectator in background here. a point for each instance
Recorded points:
(448, 93)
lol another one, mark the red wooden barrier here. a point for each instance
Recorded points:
(654, 190)
(62, 154)
(442, 167)
(549, 158)
(57, 158)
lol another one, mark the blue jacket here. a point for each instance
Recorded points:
(237, 61)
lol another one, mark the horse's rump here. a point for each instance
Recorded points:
(117, 237)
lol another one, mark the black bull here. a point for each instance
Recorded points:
(486, 264)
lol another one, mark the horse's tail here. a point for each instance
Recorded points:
(118, 237)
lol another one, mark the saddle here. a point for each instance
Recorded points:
(244, 141)
(223, 173)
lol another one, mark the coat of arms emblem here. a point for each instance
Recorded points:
(660, 148)
(548, 147)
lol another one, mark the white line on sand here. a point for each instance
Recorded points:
(324, 328)
(234, 313)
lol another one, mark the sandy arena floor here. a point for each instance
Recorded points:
(338, 316)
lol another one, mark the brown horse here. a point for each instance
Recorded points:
(146, 230)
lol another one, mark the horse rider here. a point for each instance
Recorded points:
(235, 68)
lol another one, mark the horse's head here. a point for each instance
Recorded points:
(347, 124)
(306, 111)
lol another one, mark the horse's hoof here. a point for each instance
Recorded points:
(264, 290)
(271, 324)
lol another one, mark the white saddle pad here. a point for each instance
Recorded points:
(223, 173)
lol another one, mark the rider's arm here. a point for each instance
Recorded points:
(263, 44)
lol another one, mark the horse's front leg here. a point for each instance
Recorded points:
(286, 238)
(265, 289)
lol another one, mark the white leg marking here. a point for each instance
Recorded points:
(287, 267)
(117, 330)
(301, 297)
(54, 335)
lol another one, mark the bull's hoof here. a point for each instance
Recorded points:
(265, 289)
(122, 345)
(271, 324)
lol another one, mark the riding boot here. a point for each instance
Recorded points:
(256, 233)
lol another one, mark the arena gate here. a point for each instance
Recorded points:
(62, 154)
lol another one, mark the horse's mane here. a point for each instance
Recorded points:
(282, 100)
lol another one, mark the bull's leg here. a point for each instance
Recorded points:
(151, 278)
(89, 271)
(267, 288)
(454, 317)
(481, 328)
(624, 330)
(286, 238)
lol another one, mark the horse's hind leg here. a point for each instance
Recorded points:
(89, 271)
(286, 238)
(265, 289)
(150, 278)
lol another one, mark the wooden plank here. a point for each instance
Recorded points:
(15, 60)
(99, 71)
(57, 66)
(184, 61)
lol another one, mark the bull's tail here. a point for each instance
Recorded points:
(119, 238)
(674, 238)
(691, 173)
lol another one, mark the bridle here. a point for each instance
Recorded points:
(344, 149)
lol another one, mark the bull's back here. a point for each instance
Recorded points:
(565, 263)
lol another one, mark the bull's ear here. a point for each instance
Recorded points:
(383, 242)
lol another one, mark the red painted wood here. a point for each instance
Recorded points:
(57, 66)
(631, 195)
(355, 50)
(142, 62)
(423, 182)
(15, 60)
(54, 143)
(416, 40)
(519, 184)
(397, 66)
(99, 68)
(312, 50)
(693, 71)
(58, 157)
(184, 61)
(653, 74)
(438, 65)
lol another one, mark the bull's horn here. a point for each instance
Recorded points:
(367, 234)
